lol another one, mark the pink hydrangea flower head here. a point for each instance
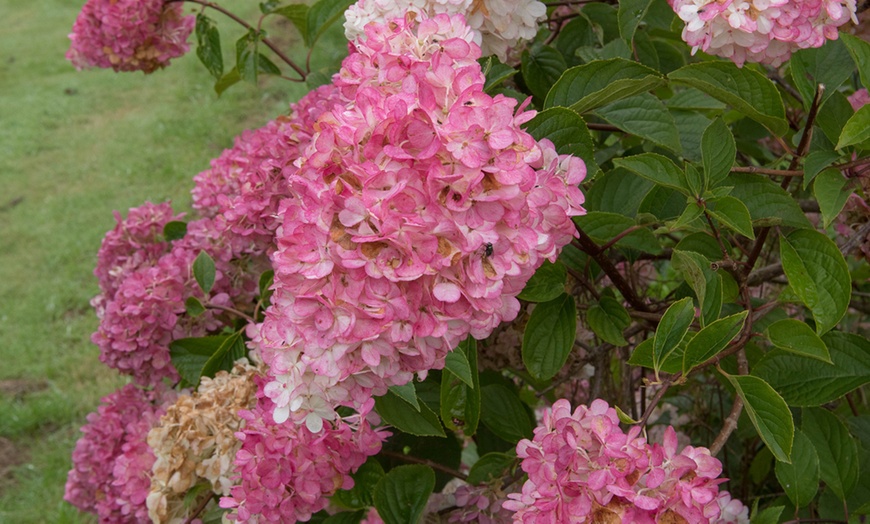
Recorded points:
(129, 35)
(765, 31)
(286, 472)
(419, 210)
(581, 465)
(481, 504)
(111, 461)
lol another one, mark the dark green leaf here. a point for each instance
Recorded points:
(718, 150)
(298, 15)
(829, 65)
(460, 399)
(645, 116)
(490, 466)
(704, 282)
(745, 90)
(712, 339)
(656, 168)
(223, 359)
(542, 66)
(174, 230)
(321, 15)
(830, 190)
(399, 413)
(503, 413)
(833, 115)
(495, 71)
(547, 283)
(567, 131)
(194, 307)
(208, 45)
(247, 56)
(189, 355)
(601, 82)
(267, 66)
(204, 271)
(267, 278)
(860, 51)
(346, 517)
(807, 382)
(691, 126)
(608, 319)
(604, 227)
(837, 450)
(766, 201)
(401, 496)
(800, 476)
(790, 334)
(818, 274)
(768, 412)
(857, 128)
(549, 336)
(361, 495)
(815, 162)
(408, 393)
(643, 356)
(457, 363)
(733, 214)
(768, 515)
(617, 191)
(630, 14)
(694, 100)
(671, 330)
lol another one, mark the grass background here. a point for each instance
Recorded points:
(74, 146)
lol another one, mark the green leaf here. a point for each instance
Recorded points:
(204, 271)
(718, 150)
(194, 307)
(830, 65)
(643, 356)
(857, 128)
(503, 413)
(460, 398)
(298, 15)
(321, 15)
(495, 72)
(712, 339)
(833, 115)
(645, 116)
(546, 284)
(790, 334)
(767, 202)
(630, 14)
(693, 100)
(768, 515)
(208, 45)
(174, 230)
(733, 214)
(656, 168)
(267, 278)
(361, 495)
(671, 330)
(703, 281)
(401, 496)
(815, 162)
(807, 382)
(399, 413)
(247, 56)
(228, 80)
(267, 66)
(836, 447)
(457, 363)
(568, 133)
(408, 393)
(604, 227)
(490, 466)
(549, 336)
(346, 517)
(608, 319)
(542, 66)
(232, 349)
(189, 355)
(818, 275)
(585, 87)
(830, 190)
(768, 412)
(800, 476)
(860, 51)
(690, 214)
(691, 126)
(618, 191)
(747, 91)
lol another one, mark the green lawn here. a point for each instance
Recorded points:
(74, 146)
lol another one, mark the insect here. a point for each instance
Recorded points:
(487, 250)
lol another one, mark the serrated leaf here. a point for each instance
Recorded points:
(860, 51)
(608, 319)
(857, 128)
(790, 334)
(194, 307)
(401, 496)
(693, 99)
(408, 393)
(457, 363)
(568, 133)
(805, 382)
(189, 355)
(733, 214)
(549, 336)
(815, 162)
(833, 115)
(656, 168)
(747, 91)
(502, 411)
(585, 87)
(645, 116)
(829, 65)
(399, 413)
(643, 356)
(361, 495)
(768, 412)
(542, 66)
(490, 466)
(298, 15)
(799, 478)
(818, 274)
(630, 14)
(174, 230)
(208, 45)
(718, 150)
(603, 227)
(830, 190)
(617, 191)
(321, 15)
(691, 126)
(671, 330)
(204, 271)
(765, 200)
(712, 339)
(836, 447)
(546, 284)
(690, 214)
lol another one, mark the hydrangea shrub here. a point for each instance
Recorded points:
(509, 262)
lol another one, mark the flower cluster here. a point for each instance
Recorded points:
(419, 210)
(195, 441)
(582, 466)
(129, 35)
(481, 504)
(286, 472)
(498, 24)
(765, 31)
(111, 461)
